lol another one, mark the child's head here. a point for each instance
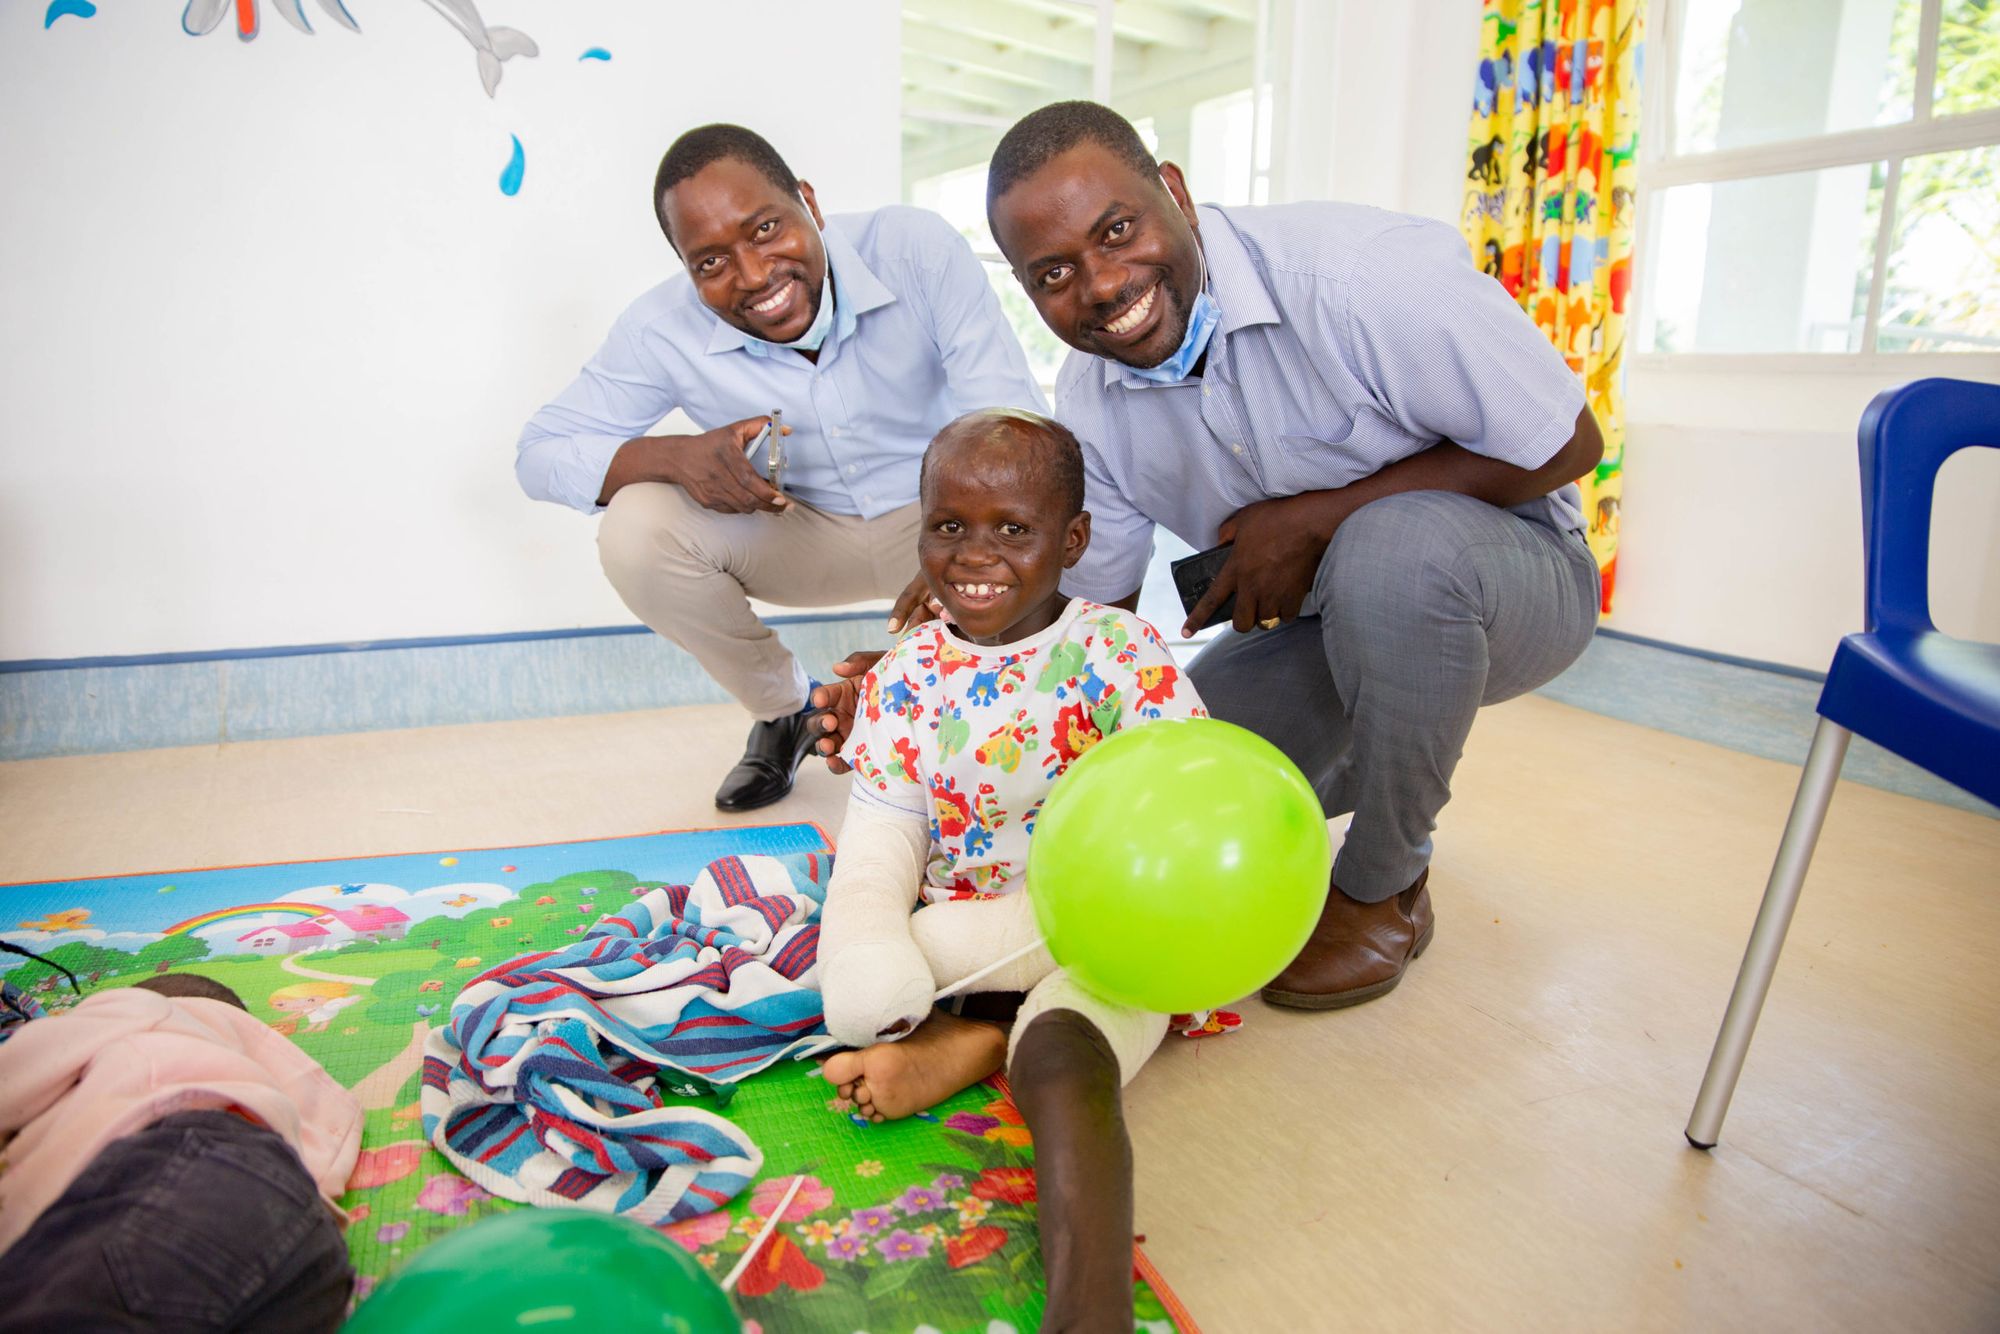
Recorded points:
(305, 996)
(1003, 518)
(192, 984)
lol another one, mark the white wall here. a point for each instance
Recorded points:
(271, 327)
(1741, 527)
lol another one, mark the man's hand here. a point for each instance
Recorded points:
(1277, 545)
(913, 606)
(838, 699)
(713, 469)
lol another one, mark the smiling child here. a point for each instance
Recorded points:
(961, 731)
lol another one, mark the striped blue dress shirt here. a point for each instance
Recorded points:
(918, 339)
(1349, 338)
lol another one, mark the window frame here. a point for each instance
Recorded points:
(1663, 169)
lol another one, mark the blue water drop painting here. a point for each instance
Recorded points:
(82, 9)
(595, 53)
(510, 179)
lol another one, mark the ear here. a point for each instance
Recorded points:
(1077, 540)
(1177, 187)
(812, 204)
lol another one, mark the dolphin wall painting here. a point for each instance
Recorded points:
(492, 46)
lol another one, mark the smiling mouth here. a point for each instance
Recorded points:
(1135, 314)
(776, 301)
(979, 594)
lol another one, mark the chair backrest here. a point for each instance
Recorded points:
(1906, 435)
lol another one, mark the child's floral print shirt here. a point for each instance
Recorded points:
(972, 737)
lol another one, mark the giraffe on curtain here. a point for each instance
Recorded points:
(1548, 198)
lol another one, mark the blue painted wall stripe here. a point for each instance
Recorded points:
(374, 645)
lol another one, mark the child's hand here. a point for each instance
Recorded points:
(838, 699)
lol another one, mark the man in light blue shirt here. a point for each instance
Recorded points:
(1383, 438)
(866, 332)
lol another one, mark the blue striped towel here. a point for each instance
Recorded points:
(544, 1088)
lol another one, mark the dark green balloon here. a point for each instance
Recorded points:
(550, 1270)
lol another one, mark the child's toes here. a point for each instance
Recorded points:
(842, 1069)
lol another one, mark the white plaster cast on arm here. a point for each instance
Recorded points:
(872, 975)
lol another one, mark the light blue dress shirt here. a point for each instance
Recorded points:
(918, 339)
(1350, 338)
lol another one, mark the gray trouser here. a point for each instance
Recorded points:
(1427, 605)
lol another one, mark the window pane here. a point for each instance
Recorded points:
(1759, 71)
(1770, 264)
(1942, 290)
(1968, 77)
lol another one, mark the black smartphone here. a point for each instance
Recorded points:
(1192, 576)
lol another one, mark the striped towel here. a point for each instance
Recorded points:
(544, 1086)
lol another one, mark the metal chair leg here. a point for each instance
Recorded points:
(1767, 938)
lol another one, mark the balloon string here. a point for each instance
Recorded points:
(770, 1225)
(993, 967)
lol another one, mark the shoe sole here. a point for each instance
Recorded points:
(1340, 1000)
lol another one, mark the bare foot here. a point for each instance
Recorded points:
(895, 1079)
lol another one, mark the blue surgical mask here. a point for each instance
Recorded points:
(1200, 328)
(815, 333)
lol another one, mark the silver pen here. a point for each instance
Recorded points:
(773, 438)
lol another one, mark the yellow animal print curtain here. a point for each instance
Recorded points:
(1548, 198)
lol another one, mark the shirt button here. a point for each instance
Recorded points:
(853, 468)
(1236, 449)
(834, 434)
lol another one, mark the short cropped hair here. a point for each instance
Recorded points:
(707, 144)
(1057, 464)
(1055, 129)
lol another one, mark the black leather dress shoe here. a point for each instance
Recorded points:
(770, 758)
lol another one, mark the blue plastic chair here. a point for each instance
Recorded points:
(1930, 698)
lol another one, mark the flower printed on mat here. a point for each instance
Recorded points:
(870, 1168)
(391, 1233)
(971, 1210)
(868, 1222)
(780, 1263)
(697, 1232)
(391, 1162)
(450, 1194)
(1006, 1185)
(817, 1233)
(974, 1246)
(901, 1245)
(921, 1200)
(813, 1196)
(949, 1181)
(846, 1247)
(971, 1123)
(749, 1225)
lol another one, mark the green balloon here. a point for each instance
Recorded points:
(549, 1269)
(1179, 866)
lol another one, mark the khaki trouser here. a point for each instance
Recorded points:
(690, 572)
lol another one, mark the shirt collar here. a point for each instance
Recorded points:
(1235, 281)
(856, 292)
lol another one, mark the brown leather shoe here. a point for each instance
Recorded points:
(1358, 951)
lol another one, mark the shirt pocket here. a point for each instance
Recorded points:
(1306, 463)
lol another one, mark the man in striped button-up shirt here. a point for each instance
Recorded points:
(1384, 437)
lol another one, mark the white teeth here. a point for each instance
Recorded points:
(771, 303)
(1132, 318)
(978, 590)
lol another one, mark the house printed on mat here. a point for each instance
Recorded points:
(335, 926)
